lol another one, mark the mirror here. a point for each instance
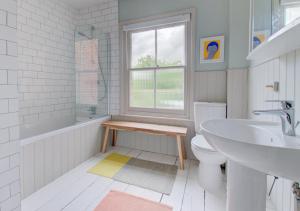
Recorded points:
(270, 16)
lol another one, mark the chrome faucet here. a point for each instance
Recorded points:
(286, 114)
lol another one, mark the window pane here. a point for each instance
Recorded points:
(170, 89)
(171, 46)
(291, 14)
(143, 49)
(142, 89)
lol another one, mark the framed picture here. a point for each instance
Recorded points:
(212, 49)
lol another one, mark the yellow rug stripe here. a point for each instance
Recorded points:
(110, 165)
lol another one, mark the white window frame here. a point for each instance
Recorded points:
(189, 58)
(287, 7)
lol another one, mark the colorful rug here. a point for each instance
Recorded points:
(155, 176)
(118, 201)
(111, 165)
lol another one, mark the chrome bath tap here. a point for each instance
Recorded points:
(286, 114)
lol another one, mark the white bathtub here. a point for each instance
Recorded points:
(48, 156)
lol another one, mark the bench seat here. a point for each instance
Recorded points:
(155, 129)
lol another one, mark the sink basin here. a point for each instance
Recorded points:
(257, 145)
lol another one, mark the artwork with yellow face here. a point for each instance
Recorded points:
(212, 49)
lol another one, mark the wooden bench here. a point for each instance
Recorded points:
(176, 132)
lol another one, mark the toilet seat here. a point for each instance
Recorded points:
(205, 153)
(210, 175)
(200, 143)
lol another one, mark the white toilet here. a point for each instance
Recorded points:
(210, 173)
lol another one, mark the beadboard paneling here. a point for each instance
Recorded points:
(210, 86)
(237, 93)
(297, 89)
(286, 70)
(48, 158)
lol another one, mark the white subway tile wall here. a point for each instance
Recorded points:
(46, 62)
(104, 16)
(46, 72)
(9, 144)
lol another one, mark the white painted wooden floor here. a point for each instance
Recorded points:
(78, 190)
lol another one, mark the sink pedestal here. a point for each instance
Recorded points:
(246, 188)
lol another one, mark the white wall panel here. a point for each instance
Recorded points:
(285, 70)
(47, 158)
(210, 86)
(237, 93)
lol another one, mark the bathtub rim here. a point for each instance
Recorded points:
(44, 136)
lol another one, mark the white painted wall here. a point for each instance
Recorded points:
(46, 65)
(286, 70)
(9, 129)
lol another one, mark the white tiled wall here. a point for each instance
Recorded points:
(9, 130)
(46, 64)
(286, 70)
(104, 16)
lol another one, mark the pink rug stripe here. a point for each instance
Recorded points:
(119, 201)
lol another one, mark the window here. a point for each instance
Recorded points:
(291, 13)
(156, 67)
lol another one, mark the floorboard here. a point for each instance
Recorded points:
(176, 197)
(79, 191)
(118, 186)
(194, 195)
(89, 195)
(62, 199)
(39, 198)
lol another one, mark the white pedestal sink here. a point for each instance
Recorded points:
(254, 149)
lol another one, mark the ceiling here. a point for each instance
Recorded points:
(78, 4)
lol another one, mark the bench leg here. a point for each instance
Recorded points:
(105, 139)
(180, 152)
(114, 138)
(183, 149)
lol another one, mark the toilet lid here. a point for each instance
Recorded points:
(200, 142)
